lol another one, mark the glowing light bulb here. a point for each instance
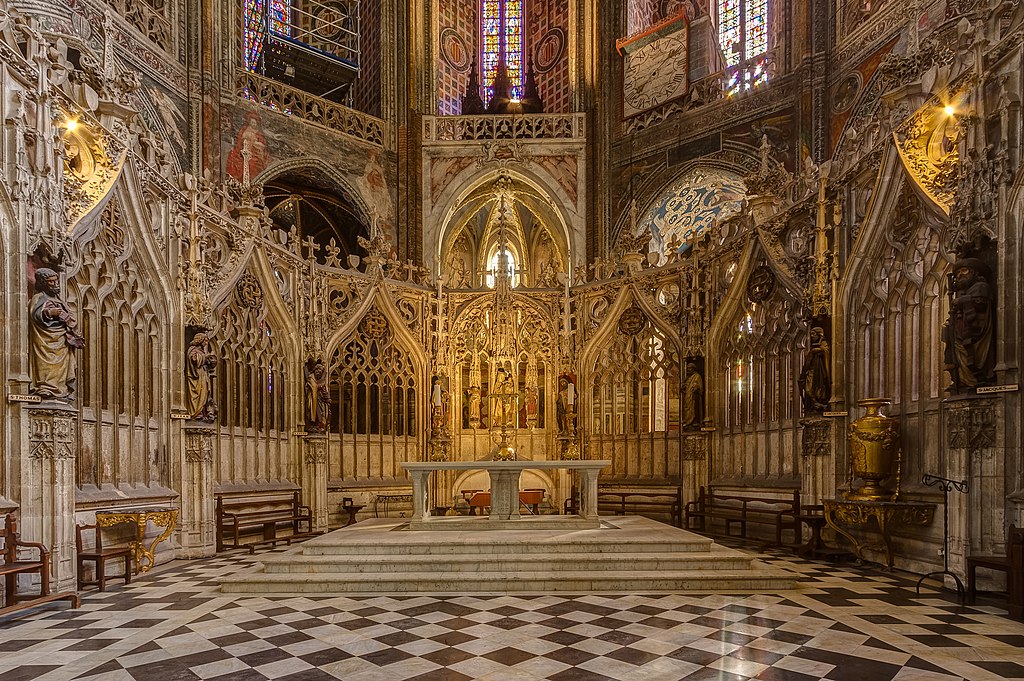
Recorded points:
(71, 125)
(950, 110)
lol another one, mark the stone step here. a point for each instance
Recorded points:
(759, 579)
(296, 562)
(624, 554)
(380, 536)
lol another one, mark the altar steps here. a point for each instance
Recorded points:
(626, 555)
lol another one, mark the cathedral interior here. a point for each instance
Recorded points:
(758, 259)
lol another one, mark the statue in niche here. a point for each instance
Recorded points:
(968, 334)
(816, 375)
(200, 365)
(53, 339)
(564, 404)
(474, 406)
(318, 397)
(504, 400)
(693, 397)
(531, 406)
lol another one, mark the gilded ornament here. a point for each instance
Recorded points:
(874, 452)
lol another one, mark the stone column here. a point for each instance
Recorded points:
(314, 479)
(505, 494)
(588, 493)
(694, 467)
(198, 511)
(818, 450)
(47, 511)
(976, 453)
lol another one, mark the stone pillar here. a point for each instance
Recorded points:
(694, 466)
(198, 512)
(314, 479)
(818, 450)
(47, 511)
(977, 520)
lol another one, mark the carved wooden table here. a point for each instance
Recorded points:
(842, 515)
(166, 518)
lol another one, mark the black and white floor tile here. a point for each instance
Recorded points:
(845, 623)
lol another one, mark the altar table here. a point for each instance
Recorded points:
(504, 477)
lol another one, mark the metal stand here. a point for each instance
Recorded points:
(945, 484)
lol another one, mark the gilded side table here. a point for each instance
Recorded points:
(842, 515)
(166, 518)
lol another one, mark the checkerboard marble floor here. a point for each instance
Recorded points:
(845, 623)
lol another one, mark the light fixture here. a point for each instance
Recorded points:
(950, 110)
(71, 124)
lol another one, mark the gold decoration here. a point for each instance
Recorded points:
(874, 449)
(166, 518)
(841, 515)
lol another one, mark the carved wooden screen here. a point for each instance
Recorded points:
(897, 312)
(633, 409)
(375, 404)
(121, 386)
(759, 370)
(252, 388)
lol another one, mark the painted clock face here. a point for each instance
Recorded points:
(654, 74)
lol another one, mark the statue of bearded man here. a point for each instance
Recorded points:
(53, 339)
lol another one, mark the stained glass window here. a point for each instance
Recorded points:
(279, 16)
(743, 37)
(502, 34)
(252, 33)
(256, 16)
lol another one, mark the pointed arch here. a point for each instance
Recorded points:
(441, 222)
(379, 395)
(630, 392)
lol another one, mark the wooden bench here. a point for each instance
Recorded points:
(14, 564)
(738, 508)
(1012, 564)
(266, 513)
(668, 501)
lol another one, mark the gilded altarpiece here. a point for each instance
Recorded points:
(510, 346)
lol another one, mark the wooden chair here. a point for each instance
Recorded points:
(14, 563)
(1012, 564)
(100, 556)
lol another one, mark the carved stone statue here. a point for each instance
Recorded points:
(53, 339)
(318, 397)
(816, 375)
(562, 405)
(693, 398)
(531, 407)
(968, 334)
(474, 407)
(200, 365)
(504, 409)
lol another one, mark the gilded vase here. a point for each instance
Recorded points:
(874, 452)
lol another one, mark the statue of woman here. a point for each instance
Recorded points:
(199, 368)
(318, 397)
(816, 375)
(474, 407)
(53, 338)
(693, 398)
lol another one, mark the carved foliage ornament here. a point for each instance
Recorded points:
(249, 291)
(761, 284)
(633, 321)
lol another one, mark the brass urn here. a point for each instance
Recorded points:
(874, 452)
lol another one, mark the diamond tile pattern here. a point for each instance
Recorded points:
(843, 624)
